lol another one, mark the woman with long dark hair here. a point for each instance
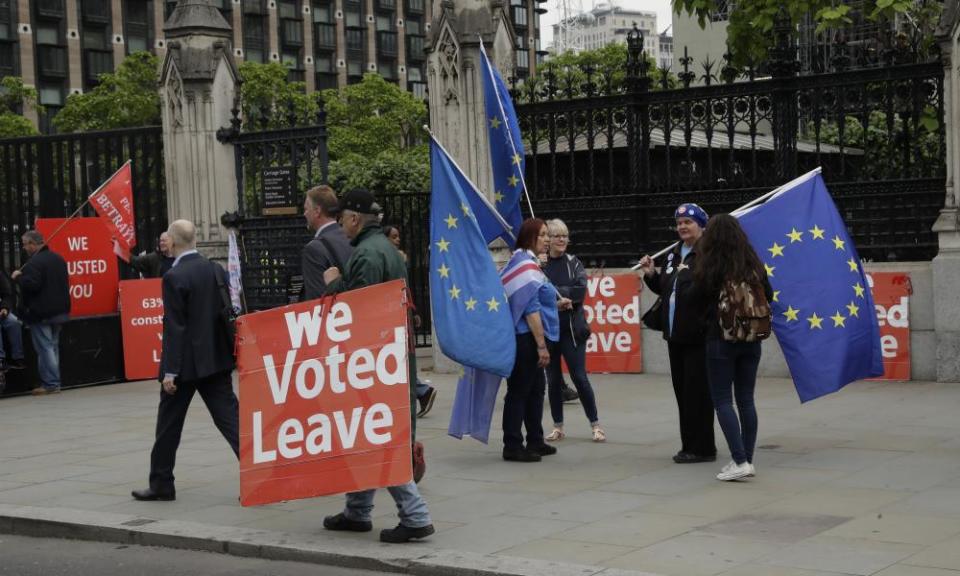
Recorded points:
(731, 277)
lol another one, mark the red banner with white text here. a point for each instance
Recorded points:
(113, 201)
(891, 297)
(141, 317)
(612, 308)
(325, 396)
(94, 275)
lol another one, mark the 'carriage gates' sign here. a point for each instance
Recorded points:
(277, 186)
(325, 396)
(86, 245)
(141, 317)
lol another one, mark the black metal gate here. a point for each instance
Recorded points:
(271, 244)
(50, 176)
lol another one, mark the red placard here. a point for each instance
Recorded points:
(891, 297)
(86, 245)
(324, 396)
(141, 315)
(612, 307)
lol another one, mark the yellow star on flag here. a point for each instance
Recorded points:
(795, 236)
(471, 303)
(498, 196)
(791, 313)
(838, 243)
(815, 321)
(443, 245)
(493, 305)
(817, 232)
(495, 122)
(516, 159)
(858, 289)
(838, 320)
(853, 265)
(776, 295)
(776, 250)
(770, 269)
(853, 309)
(451, 221)
(454, 292)
(443, 271)
(465, 208)
(513, 180)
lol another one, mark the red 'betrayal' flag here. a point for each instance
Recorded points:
(113, 201)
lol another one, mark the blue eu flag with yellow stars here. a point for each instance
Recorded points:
(470, 313)
(823, 313)
(506, 146)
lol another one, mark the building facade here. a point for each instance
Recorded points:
(609, 24)
(62, 46)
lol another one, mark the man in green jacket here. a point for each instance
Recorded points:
(374, 261)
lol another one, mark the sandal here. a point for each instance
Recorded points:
(556, 435)
(599, 435)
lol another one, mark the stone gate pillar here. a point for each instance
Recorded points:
(198, 84)
(457, 113)
(946, 266)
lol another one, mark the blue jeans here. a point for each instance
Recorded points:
(421, 388)
(14, 333)
(576, 357)
(733, 365)
(412, 507)
(46, 342)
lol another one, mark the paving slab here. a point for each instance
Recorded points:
(865, 481)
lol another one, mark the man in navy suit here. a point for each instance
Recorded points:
(197, 357)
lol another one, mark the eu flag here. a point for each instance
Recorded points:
(823, 313)
(506, 146)
(470, 313)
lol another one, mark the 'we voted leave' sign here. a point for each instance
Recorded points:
(612, 309)
(325, 396)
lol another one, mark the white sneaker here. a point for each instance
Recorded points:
(735, 472)
(728, 466)
(753, 470)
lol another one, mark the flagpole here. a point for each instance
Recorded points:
(506, 227)
(748, 205)
(513, 145)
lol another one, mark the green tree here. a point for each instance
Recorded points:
(269, 101)
(376, 138)
(751, 23)
(125, 98)
(14, 96)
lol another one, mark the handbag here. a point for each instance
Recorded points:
(652, 318)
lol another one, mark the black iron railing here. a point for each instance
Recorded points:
(50, 176)
(614, 151)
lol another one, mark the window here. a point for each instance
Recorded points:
(387, 69)
(136, 44)
(49, 35)
(253, 55)
(384, 23)
(602, 20)
(289, 10)
(52, 96)
(519, 16)
(353, 18)
(354, 68)
(414, 27)
(323, 13)
(136, 11)
(323, 63)
(4, 31)
(95, 39)
(414, 75)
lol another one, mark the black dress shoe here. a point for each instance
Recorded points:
(402, 534)
(520, 455)
(149, 495)
(543, 450)
(342, 523)
(691, 458)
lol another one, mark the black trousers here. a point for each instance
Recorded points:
(217, 394)
(523, 405)
(688, 369)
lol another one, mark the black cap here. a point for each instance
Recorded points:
(359, 200)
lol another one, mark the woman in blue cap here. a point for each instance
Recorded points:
(681, 316)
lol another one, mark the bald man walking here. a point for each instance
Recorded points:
(197, 357)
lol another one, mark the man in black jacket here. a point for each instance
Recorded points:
(196, 357)
(154, 264)
(10, 324)
(45, 287)
(329, 246)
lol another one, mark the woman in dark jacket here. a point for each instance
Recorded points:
(567, 273)
(682, 321)
(728, 260)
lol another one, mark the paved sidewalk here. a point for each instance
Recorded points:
(866, 481)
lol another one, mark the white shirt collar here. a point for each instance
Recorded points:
(324, 227)
(187, 253)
